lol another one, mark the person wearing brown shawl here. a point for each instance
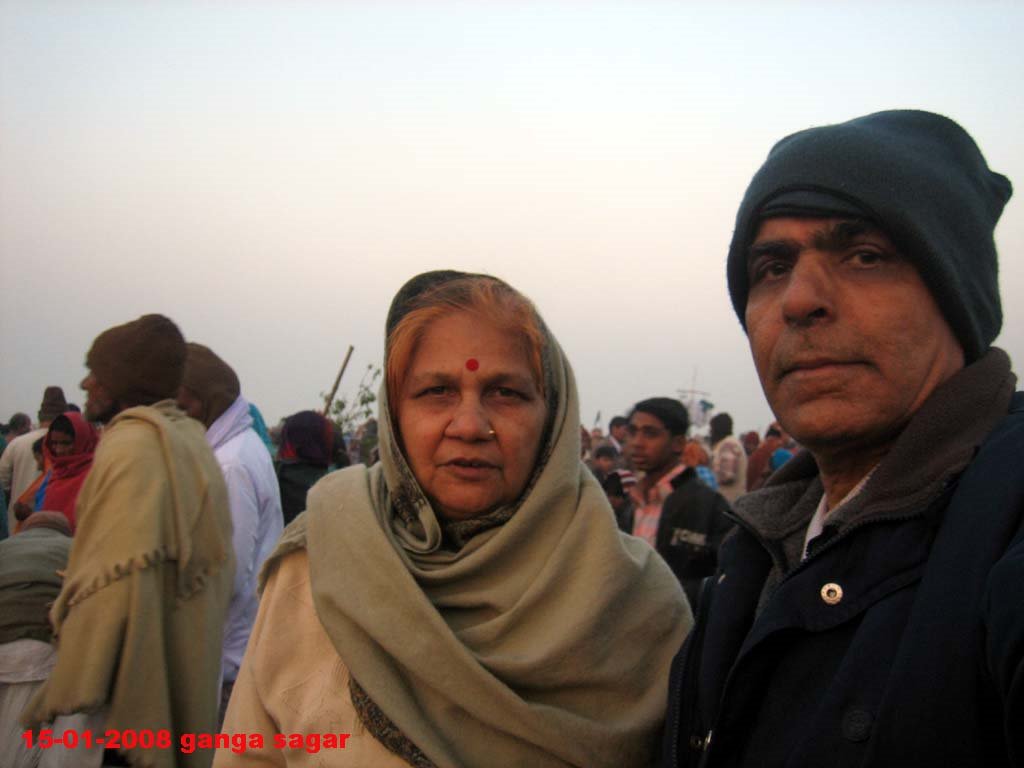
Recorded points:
(469, 600)
(140, 617)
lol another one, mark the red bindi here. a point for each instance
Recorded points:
(472, 364)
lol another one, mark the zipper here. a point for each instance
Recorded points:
(705, 750)
(672, 686)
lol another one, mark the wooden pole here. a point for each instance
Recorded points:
(337, 382)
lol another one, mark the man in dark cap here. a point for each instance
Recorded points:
(868, 610)
(139, 621)
(18, 468)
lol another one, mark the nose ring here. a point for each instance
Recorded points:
(491, 432)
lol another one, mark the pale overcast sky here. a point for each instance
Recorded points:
(269, 173)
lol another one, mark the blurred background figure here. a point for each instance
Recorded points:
(603, 462)
(67, 454)
(759, 467)
(18, 425)
(618, 437)
(617, 487)
(728, 459)
(30, 564)
(695, 456)
(307, 446)
(210, 392)
(17, 465)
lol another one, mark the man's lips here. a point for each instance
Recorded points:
(815, 366)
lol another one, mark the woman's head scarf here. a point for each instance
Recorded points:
(308, 437)
(211, 380)
(543, 638)
(68, 472)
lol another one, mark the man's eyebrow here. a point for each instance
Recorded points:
(837, 237)
(841, 235)
(781, 247)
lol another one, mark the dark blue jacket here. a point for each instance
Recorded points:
(899, 641)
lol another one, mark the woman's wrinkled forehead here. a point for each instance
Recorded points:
(486, 298)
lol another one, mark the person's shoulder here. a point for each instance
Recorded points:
(21, 441)
(342, 481)
(248, 449)
(127, 432)
(1007, 435)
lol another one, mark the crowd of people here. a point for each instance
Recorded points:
(495, 585)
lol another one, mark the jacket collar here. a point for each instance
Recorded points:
(937, 444)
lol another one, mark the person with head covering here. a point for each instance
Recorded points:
(870, 605)
(695, 456)
(468, 601)
(139, 621)
(728, 458)
(68, 450)
(30, 566)
(750, 442)
(759, 464)
(211, 394)
(307, 446)
(17, 464)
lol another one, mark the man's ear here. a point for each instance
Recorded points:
(678, 444)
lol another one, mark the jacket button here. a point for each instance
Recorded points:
(832, 593)
(856, 724)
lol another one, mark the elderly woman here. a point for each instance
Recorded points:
(469, 601)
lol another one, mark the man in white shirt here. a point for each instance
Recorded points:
(210, 393)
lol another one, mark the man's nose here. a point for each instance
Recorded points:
(808, 295)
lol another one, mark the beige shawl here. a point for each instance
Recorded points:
(140, 618)
(545, 641)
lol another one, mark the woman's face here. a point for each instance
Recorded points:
(470, 416)
(60, 443)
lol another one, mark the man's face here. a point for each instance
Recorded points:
(847, 339)
(99, 404)
(620, 432)
(652, 447)
(190, 403)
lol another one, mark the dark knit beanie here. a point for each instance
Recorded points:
(920, 178)
(669, 412)
(211, 380)
(53, 404)
(139, 362)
